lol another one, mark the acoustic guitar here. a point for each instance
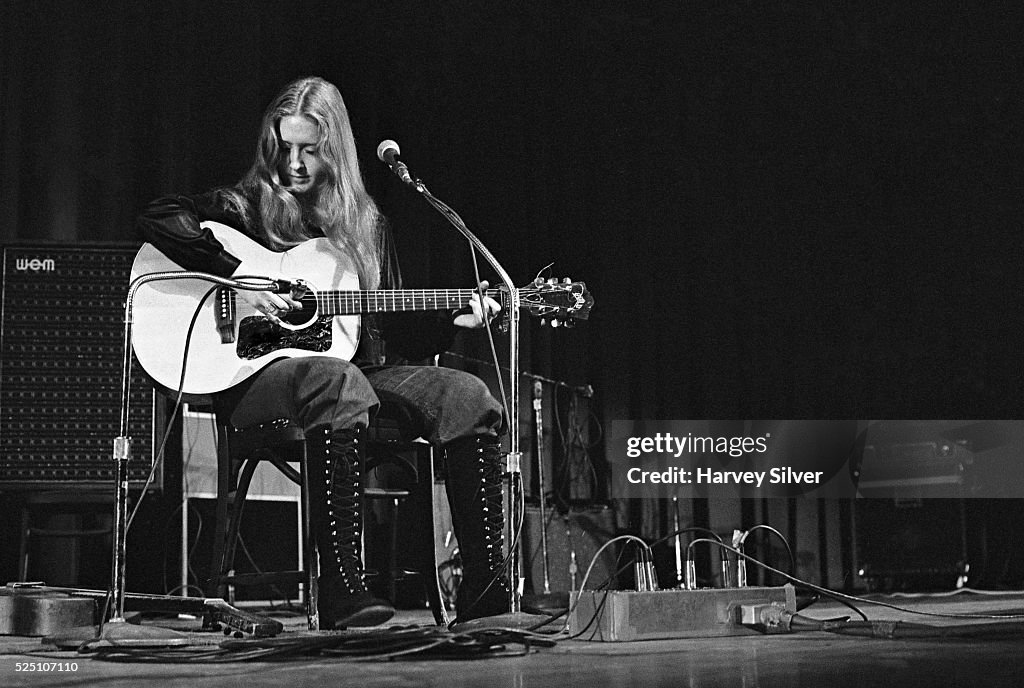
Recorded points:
(220, 340)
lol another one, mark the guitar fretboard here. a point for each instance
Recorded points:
(392, 300)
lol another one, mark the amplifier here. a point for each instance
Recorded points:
(912, 545)
(573, 540)
(61, 352)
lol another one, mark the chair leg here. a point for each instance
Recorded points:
(26, 533)
(236, 509)
(422, 507)
(213, 586)
(392, 552)
(311, 563)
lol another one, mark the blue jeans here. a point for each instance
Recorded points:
(442, 404)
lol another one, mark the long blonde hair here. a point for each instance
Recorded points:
(340, 206)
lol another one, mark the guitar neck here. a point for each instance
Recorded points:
(394, 300)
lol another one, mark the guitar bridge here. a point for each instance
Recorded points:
(226, 315)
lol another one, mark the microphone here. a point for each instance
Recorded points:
(388, 152)
(584, 391)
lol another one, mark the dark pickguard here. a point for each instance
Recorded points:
(257, 337)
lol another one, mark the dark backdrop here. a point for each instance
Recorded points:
(783, 209)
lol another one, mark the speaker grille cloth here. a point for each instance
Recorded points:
(60, 372)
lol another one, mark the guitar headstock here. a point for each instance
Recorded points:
(556, 302)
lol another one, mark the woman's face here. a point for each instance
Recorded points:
(300, 166)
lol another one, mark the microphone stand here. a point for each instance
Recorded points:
(513, 461)
(538, 412)
(115, 629)
(547, 601)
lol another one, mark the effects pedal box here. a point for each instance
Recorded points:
(622, 616)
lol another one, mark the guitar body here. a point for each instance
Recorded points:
(34, 609)
(39, 611)
(218, 358)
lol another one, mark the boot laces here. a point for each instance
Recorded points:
(491, 497)
(344, 513)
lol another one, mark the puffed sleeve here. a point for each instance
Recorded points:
(172, 225)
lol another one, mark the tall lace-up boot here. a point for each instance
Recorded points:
(336, 459)
(474, 471)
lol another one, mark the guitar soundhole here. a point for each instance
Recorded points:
(257, 337)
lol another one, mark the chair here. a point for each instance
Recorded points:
(282, 443)
(239, 453)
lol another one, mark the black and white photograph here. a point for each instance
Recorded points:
(530, 344)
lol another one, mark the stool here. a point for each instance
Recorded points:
(410, 460)
(393, 499)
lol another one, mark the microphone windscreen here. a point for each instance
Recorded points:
(384, 147)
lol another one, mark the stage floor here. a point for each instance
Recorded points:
(801, 659)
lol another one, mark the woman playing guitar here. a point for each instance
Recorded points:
(305, 186)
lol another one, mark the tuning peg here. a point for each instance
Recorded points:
(543, 322)
(552, 280)
(570, 324)
(566, 280)
(538, 281)
(555, 322)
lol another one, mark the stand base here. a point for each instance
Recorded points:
(546, 603)
(117, 634)
(519, 621)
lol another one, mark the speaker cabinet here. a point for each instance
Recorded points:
(911, 545)
(573, 539)
(61, 351)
